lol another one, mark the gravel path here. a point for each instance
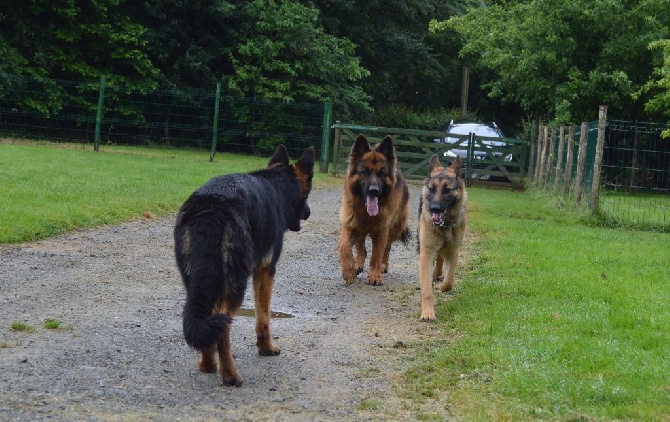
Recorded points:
(120, 354)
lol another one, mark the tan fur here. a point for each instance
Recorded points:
(439, 242)
(372, 166)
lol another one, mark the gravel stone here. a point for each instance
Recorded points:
(119, 353)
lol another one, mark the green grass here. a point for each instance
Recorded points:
(642, 210)
(22, 326)
(553, 319)
(52, 324)
(47, 191)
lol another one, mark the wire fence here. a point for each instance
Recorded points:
(103, 115)
(627, 181)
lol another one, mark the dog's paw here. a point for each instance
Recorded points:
(232, 380)
(270, 351)
(428, 317)
(359, 270)
(445, 286)
(349, 275)
(374, 281)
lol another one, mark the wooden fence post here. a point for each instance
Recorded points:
(550, 157)
(215, 121)
(538, 153)
(559, 160)
(597, 164)
(581, 161)
(569, 144)
(533, 142)
(543, 156)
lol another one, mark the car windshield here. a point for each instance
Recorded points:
(477, 129)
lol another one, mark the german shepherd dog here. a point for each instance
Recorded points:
(375, 202)
(442, 223)
(229, 229)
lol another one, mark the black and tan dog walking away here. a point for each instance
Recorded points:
(375, 202)
(442, 223)
(228, 230)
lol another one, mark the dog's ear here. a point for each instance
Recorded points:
(280, 157)
(361, 146)
(306, 162)
(386, 148)
(434, 164)
(457, 165)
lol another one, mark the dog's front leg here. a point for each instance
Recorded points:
(347, 263)
(426, 259)
(379, 241)
(263, 281)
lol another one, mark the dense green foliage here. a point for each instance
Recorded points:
(560, 61)
(371, 59)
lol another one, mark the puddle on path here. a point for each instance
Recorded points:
(251, 312)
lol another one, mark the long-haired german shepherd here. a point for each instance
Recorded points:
(228, 230)
(442, 223)
(375, 202)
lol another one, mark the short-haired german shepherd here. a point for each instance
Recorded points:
(442, 223)
(375, 202)
(229, 229)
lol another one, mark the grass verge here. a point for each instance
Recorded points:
(555, 319)
(47, 191)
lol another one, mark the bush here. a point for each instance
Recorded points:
(402, 117)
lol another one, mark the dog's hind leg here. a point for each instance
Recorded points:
(229, 373)
(437, 272)
(207, 361)
(361, 254)
(263, 280)
(387, 253)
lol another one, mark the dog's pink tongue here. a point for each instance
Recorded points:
(436, 217)
(371, 204)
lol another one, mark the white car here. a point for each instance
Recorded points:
(478, 129)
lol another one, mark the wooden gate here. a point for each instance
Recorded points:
(484, 163)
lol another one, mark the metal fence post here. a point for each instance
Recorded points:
(325, 136)
(98, 114)
(215, 125)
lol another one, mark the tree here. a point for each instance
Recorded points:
(659, 84)
(76, 40)
(283, 54)
(409, 66)
(189, 41)
(560, 60)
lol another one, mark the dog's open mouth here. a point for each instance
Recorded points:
(372, 204)
(437, 218)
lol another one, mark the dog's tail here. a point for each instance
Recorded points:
(210, 279)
